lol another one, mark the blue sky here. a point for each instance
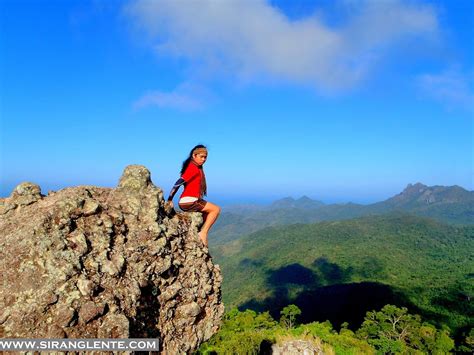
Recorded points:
(341, 101)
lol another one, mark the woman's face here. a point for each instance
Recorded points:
(200, 158)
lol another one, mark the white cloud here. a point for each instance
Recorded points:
(450, 87)
(251, 40)
(185, 98)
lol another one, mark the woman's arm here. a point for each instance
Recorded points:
(175, 188)
(191, 172)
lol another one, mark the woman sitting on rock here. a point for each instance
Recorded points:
(194, 181)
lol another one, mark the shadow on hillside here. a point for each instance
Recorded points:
(293, 274)
(324, 293)
(456, 300)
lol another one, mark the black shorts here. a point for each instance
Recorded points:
(196, 206)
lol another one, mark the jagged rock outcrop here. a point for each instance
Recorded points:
(90, 262)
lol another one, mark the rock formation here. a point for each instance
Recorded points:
(297, 347)
(90, 262)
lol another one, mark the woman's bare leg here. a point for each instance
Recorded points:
(210, 214)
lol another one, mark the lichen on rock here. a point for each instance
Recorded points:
(91, 262)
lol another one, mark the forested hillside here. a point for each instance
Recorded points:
(340, 270)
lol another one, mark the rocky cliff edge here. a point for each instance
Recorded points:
(91, 262)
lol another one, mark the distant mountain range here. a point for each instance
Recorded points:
(451, 204)
(289, 202)
(419, 196)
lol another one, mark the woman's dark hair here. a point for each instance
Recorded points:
(188, 160)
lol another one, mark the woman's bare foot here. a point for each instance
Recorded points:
(203, 236)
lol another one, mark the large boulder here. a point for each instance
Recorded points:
(297, 347)
(90, 262)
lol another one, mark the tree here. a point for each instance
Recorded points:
(240, 333)
(467, 346)
(288, 316)
(394, 330)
